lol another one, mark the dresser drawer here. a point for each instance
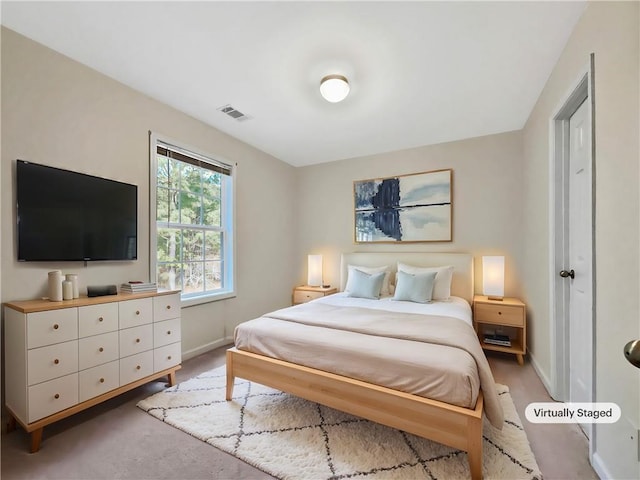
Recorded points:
(53, 396)
(166, 332)
(97, 350)
(135, 312)
(167, 356)
(303, 296)
(53, 326)
(135, 367)
(500, 314)
(46, 363)
(136, 340)
(97, 319)
(166, 307)
(98, 380)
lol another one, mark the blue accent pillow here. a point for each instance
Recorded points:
(366, 285)
(414, 287)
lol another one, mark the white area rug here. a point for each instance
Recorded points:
(291, 438)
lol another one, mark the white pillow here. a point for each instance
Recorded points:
(442, 284)
(385, 283)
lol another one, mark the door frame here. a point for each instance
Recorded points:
(582, 90)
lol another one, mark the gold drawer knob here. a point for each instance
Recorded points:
(168, 332)
(100, 319)
(137, 340)
(56, 361)
(168, 307)
(137, 312)
(138, 367)
(56, 326)
(101, 349)
(169, 357)
(102, 380)
(56, 396)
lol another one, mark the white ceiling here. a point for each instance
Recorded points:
(420, 72)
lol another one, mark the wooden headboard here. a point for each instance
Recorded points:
(461, 285)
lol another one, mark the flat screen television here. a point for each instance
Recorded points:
(69, 216)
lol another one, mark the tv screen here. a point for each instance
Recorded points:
(68, 216)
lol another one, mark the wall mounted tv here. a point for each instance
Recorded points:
(70, 216)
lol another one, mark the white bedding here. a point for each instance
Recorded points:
(455, 307)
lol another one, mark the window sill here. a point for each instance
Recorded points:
(214, 297)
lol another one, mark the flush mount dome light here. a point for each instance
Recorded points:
(334, 88)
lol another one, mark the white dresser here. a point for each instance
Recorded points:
(64, 357)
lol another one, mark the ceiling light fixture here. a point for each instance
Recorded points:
(334, 88)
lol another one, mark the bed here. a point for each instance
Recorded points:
(388, 361)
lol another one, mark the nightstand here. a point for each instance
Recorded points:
(494, 320)
(306, 293)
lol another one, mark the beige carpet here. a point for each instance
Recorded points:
(291, 438)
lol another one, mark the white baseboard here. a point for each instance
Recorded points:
(543, 378)
(600, 467)
(194, 352)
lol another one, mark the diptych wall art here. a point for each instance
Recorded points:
(405, 208)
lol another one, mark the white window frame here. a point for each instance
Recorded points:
(228, 219)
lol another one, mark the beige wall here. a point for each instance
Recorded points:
(58, 112)
(610, 30)
(487, 211)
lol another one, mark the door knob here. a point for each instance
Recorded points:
(565, 274)
(632, 352)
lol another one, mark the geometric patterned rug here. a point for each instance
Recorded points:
(294, 439)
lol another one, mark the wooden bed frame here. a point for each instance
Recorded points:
(450, 425)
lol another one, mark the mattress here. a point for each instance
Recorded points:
(400, 345)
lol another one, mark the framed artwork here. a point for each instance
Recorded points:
(405, 208)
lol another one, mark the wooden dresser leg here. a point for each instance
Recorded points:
(11, 424)
(172, 378)
(36, 438)
(520, 359)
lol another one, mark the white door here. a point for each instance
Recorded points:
(580, 259)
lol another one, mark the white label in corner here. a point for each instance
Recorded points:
(555, 412)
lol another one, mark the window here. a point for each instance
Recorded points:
(192, 236)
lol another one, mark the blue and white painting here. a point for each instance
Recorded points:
(406, 208)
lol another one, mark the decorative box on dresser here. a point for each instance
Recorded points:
(506, 317)
(305, 293)
(64, 357)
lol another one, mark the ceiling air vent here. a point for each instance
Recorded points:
(233, 113)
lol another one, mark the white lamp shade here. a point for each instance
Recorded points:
(493, 276)
(314, 271)
(334, 88)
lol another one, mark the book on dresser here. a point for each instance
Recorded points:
(137, 287)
